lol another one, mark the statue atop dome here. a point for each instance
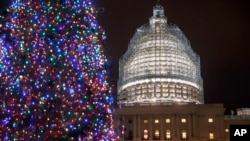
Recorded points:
(158, 10)
(158, 15)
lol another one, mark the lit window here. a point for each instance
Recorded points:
(158, 88)
(157, 134)
(168, 134)
(145, 134)
(210, 120)
(226, 130)
(145, 121)
(184, 135)
(211, 135)
(167, 120)
(156, 120)
(183, 120)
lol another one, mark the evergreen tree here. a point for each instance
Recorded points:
(53, 72)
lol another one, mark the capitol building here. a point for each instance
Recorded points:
(160, 88)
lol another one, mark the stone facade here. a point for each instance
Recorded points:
(177, 121)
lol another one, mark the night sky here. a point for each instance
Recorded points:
(218, 30)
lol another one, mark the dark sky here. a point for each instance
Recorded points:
(218, 30)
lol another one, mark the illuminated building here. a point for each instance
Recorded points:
(159, 65)
(242, 117)
(243, 111)
(160, 88)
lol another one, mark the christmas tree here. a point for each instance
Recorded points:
(53, 72)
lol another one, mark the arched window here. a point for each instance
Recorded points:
(184, 135)
(157, 134)
(211, 135)
(158, 90)
(168, 135)
(145, 134)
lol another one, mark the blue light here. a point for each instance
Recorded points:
(71, 91)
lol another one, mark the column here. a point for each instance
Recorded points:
(177, 127)
(172, 130)
(150, 128)
(123, 124)
(190, 135)
(161, 127)
(194, 125)
(134, 128)
(139, 127)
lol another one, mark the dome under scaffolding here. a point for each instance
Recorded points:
(159, 65)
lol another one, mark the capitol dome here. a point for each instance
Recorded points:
(159, 65)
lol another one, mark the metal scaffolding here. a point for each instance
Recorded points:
(159, 65)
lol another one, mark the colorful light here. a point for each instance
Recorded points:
(53, 77)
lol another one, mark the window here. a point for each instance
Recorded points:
(130, 121)
(183, 120)
(210, 120)
(211, 135)
(130, 135)
(145, 121)
(145, 134)
(167, 120)
(184, 135)
(156, 120)
(158, 88)
(157, 134)
(168, 135)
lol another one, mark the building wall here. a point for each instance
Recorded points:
(176, 121)
(234, 120)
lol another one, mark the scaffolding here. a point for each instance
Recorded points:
(159, 65)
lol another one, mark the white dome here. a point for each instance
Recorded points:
(159, 65)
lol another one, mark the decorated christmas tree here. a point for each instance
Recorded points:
(53, 72)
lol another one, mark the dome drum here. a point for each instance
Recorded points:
(160, 91)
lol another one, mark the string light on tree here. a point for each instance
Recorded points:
(53, 72)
